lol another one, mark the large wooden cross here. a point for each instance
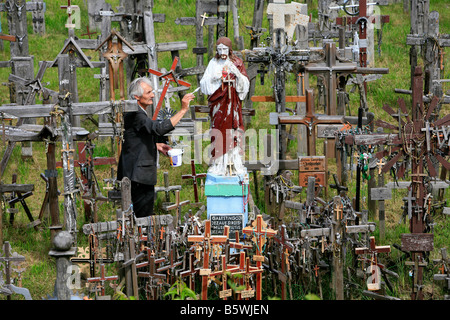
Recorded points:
(330, 67)
(259, 233)
(115, 56)
(311, 120)
(207, 240)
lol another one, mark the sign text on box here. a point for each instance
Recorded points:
(219, 221)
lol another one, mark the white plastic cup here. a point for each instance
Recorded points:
(175, 156)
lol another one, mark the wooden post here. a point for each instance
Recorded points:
(337, 259)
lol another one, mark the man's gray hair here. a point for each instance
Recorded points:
(135, 89)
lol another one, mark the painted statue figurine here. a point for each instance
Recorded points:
(226, 83)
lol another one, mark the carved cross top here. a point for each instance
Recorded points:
(207, 238)
(373, 249)
(259, 233)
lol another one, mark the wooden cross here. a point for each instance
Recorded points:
(248, 292)
(418, 264)
(240, 269)
(311, 120)
(444, 274)
(380, 165)
(225, 269)
(115, 56)
(286, 248)
(340, 189)
(362, 19)
(167, 188)
(88, 33)
(190, 271)
(194, 176)
(102, 279)
(207, 240)
(152, 271)
(177, 205)
(7, 259)
(330, 68)
(94, 256)
(68, 8)
(339, 211)
(169, 77)
(170, 267)
(17, 196)
(259, 233)
(373, 250)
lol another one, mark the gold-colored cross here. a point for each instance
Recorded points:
(204, 16)
(380, 165)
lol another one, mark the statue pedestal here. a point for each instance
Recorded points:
(227, 202)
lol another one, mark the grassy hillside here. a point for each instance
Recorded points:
(40, 272)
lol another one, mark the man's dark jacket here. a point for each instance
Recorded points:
(138, 158)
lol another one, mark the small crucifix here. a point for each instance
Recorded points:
(204, 16)
(226, 80)
(380, 165)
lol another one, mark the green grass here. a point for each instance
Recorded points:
(40, 271)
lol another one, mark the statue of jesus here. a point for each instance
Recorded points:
(226, 83)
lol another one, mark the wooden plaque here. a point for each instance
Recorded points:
(205, 272)
(247, 293)
(313, 163)
(380, 194)
(258, 258)
(303, 178)
(225, 293)
(417, 242)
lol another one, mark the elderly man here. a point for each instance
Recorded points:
(226, 82)
(142, 139)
